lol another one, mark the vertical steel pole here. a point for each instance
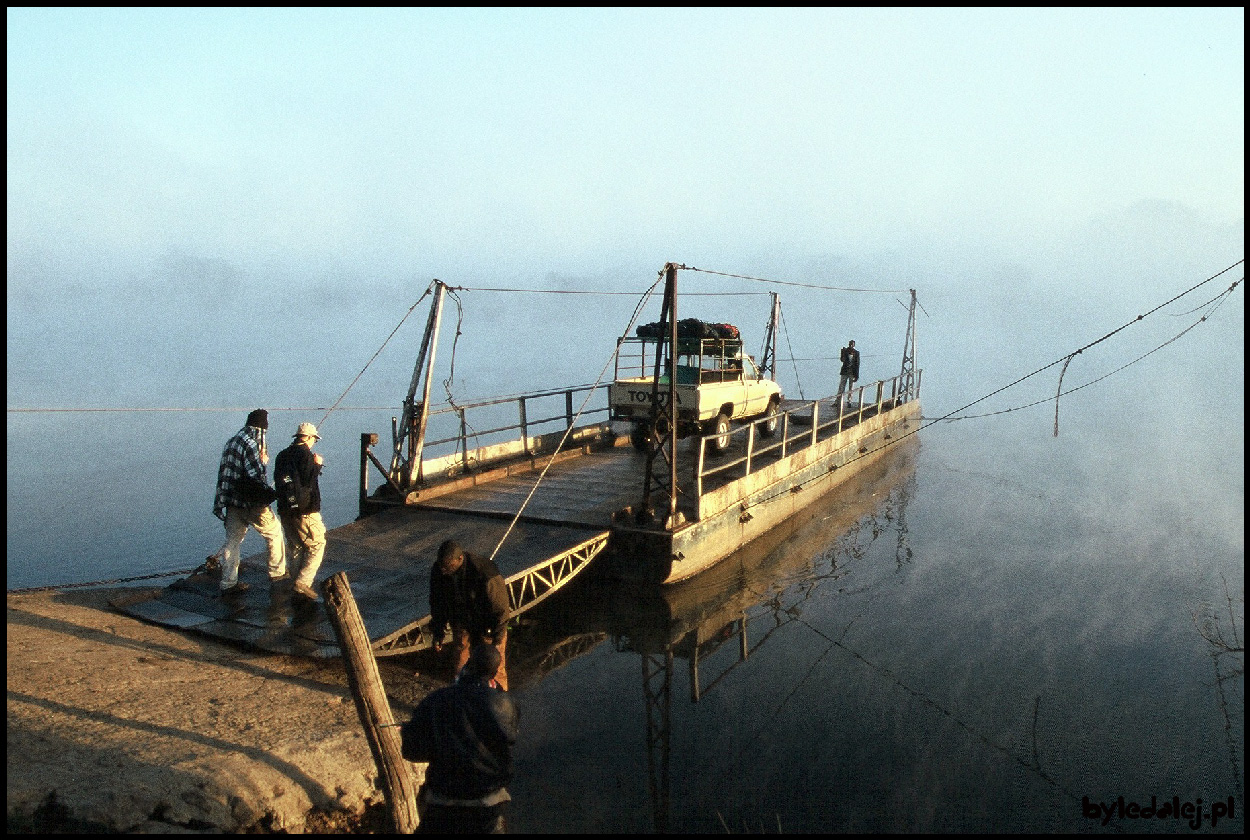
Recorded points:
(411, 428)
(423, 411)
(670, 285)
(668, 317)
(906, 374)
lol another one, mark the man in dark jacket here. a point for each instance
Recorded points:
(468, 594)
(295, 474)
(850, 368)
(466, 732)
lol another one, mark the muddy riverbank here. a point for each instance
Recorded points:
(116, 725)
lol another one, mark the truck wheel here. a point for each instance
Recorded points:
(720, 433)
(769, 427)
(638, 437)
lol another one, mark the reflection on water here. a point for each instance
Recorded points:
(875, 667)
(710, 625)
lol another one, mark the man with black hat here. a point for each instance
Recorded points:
(466, 732)
(295, 473)
(468, 594)
(243, 499)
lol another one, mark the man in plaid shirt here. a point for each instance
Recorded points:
(246, 455)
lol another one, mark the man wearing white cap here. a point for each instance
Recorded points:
(295, 474)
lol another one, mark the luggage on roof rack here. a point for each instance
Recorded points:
(691, 328)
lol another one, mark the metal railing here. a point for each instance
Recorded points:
(526, 426)
(706, 360)
(467, 447)
(849, 409)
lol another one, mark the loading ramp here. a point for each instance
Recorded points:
(387, 558)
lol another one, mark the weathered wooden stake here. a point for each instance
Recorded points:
(398, 782)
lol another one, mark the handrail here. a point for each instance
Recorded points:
(524, 425)
(843, 419)
(528, 430)
(512, 398)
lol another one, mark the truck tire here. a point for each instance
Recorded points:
(639, 437)
(720, 433)
(768, 427)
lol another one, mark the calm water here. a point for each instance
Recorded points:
(953, 648)
(995, 625)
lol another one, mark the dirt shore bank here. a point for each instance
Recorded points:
(116, 725)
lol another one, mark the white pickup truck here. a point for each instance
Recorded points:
(716, 384)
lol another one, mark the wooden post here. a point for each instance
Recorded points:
(394, 771)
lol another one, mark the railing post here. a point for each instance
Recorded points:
(568, 408)
(816, 420)
(880, 391)
(750, 447)
(698, 472)
(367, 439)
(464, 441)
(785, 432)
(525, 438)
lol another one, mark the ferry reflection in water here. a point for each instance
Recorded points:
(706, 627)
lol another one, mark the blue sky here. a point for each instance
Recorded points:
(562, 140)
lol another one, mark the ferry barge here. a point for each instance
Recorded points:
(564, 486)
(703, 489)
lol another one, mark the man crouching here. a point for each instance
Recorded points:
(468, 594)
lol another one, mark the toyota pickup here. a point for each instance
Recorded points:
(716, 384)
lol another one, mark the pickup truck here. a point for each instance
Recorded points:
(716, 384)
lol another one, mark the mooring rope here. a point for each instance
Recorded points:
(786, 329)
(950, 417)
(1218, 301)
(611, 358)
(790, 282)
(375, 355)
(112, 582)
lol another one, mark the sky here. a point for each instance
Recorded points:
(526, 143)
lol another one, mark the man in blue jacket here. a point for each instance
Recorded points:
(466, 732)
